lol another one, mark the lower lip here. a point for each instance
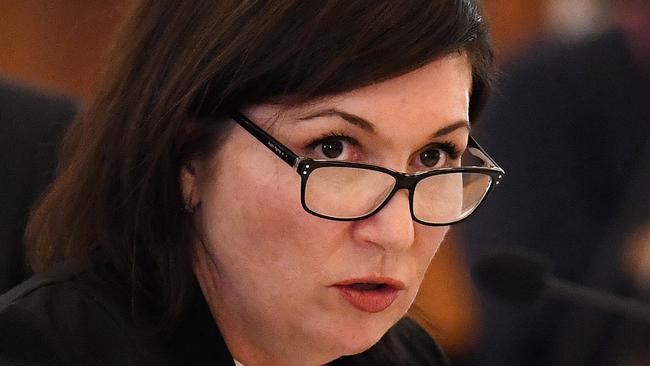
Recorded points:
(370, 301)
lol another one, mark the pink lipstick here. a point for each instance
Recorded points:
(370, 294)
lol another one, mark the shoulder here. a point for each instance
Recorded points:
(67, 317)
(406, 343)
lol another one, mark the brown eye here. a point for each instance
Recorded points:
(332, 149)
(431, 157)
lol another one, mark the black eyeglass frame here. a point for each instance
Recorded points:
(305, 166)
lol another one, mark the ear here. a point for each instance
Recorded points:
(190, 184)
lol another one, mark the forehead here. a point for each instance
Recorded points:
(449, 75)
(402, 111)
(438, 91)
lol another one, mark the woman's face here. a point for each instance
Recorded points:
(281, 283)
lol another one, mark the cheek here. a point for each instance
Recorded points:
(426, 248)
(257, 227)
(276, 219)
(274, 203)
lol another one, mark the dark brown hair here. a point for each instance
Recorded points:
(117, 197)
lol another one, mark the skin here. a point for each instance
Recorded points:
(266, 267)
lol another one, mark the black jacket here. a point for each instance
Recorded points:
(76, 317)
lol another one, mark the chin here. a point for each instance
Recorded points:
(360, 346)
(358, 336)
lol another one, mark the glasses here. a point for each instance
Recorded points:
(346, 191)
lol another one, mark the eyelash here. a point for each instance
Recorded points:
(449, 147)
(313, 144)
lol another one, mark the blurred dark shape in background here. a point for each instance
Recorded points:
(571, 126)
(31, 124)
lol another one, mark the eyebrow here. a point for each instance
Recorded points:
(350, 118)
(452, 127)
(368, 126)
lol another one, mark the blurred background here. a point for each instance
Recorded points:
(61, 46)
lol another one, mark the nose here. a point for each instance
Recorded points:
(392, 228)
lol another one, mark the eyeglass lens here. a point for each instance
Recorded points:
(346, 192)
(449, 197)
(349, 192)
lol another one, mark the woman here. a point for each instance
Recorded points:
(263, 182)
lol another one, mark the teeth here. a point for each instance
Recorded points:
(367, 286)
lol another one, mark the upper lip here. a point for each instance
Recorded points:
(397, 284)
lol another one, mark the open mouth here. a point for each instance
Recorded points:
(368, 286)
(370, 296)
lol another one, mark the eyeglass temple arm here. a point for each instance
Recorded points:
(473, 143)
(272, 144)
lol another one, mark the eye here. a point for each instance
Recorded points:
(331, 149)
(431, 157)
(333, 146)
(438, 155)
